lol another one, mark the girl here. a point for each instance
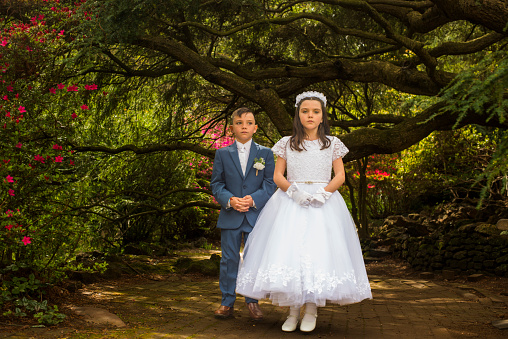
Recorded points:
(304, 249)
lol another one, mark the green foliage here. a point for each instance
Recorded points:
(482, 90)
(38, 115)
(440, 168)
(22, 294)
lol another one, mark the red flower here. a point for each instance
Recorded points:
(58, 158)
(91, 87)
(60, 86)
(52, 90)
(9, 178)
(11, 192)
(55, 146)
(8, 227)
(72, 88)
(19, 144)
(39, 158)
(26, 240)
(84, 107)
(74, 115)
(9, 88)
(9, 213)
(71, 163)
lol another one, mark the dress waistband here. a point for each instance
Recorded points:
(310, 182)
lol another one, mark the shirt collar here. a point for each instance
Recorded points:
(246, 145)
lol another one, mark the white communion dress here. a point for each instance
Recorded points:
(297, 255)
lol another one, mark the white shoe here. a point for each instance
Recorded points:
(308, 323)
(290, 323)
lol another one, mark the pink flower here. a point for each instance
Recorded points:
(55, 146)
(26, 240)
(22, 109)
(61, 32)
(9, 213)
(74, 115)
(72, 88)
(60, 86)
(8, 114)
(6, 98)
(91, 87)
(9, 88)
(19, 144)
(84, 107)
(39, 158)
(58, 158)
(8, 227)
(9, 178)
(52, 90)
(71, 163)
(11, 192)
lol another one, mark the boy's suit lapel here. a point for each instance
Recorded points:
(233, 151)
(252, 155)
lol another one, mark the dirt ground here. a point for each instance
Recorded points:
(90, 295)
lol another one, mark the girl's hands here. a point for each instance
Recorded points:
(319, 198)
(302, 198)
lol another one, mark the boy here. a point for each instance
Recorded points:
(242, 186)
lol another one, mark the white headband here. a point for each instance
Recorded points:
(310, 94)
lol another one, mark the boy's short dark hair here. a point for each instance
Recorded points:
(241, 111)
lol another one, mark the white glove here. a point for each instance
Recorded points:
(319, 198)
(302, 198)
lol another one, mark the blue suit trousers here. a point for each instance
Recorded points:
(231, 241)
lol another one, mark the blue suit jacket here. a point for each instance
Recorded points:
(228, 181)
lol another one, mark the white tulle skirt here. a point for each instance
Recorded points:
(295, 255)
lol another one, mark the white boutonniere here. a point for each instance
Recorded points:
(259, 164)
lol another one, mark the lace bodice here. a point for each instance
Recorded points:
(312, 164)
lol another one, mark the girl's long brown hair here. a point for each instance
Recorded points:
(298, 136)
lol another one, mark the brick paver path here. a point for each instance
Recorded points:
(179, 307)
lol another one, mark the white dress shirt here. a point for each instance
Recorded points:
(243, 155)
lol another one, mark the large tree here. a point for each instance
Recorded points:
(393, 71)
(263, 53)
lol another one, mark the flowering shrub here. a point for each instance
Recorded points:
(37, 115)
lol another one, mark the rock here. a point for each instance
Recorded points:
(379, 253)
(488, 229)
(99, 316)
(502, 224)
(475, 277)
(426, 275)
(501, 324)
